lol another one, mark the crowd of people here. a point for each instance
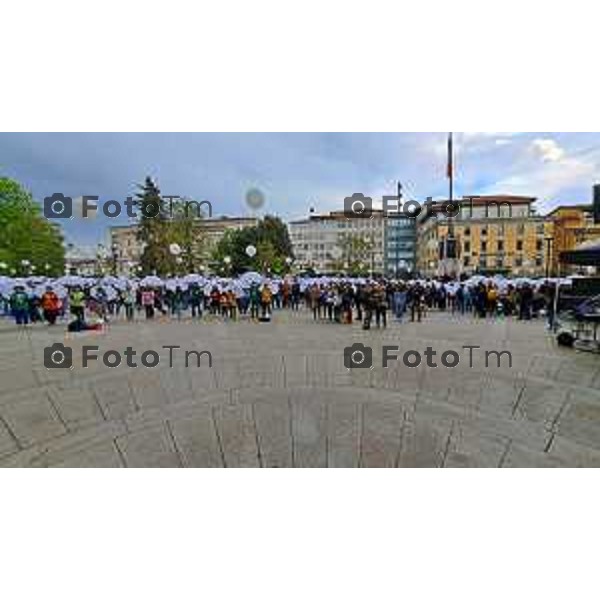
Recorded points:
(88, 303)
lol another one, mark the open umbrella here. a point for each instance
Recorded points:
(151, 281)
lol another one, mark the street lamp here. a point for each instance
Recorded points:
(549, 241)
(25, 264)
(115, 258)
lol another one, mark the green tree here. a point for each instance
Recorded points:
(355, 254)
(26, 235)
(269, 237)
(274, 230)
(165, 222)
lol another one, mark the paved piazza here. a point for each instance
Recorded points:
(278, 395)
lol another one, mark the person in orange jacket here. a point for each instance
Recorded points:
(50, 305)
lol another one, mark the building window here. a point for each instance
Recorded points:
(484, 231)
(467, 231)
(519, 245)
(467, 246)
(539, 245)
(466, 261)
(483, 246)
(521, 229)
(500, 246)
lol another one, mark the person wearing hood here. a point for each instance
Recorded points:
(50, 305)
(19, 302)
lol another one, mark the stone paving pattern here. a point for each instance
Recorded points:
(278, 395)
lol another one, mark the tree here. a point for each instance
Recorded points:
(25, 235)
(185, 232)
(162, 224)
(269, 237)
(274, 230)
(355, 253)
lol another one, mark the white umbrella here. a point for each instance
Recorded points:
(152, 281)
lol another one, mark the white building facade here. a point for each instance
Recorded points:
(319, 242)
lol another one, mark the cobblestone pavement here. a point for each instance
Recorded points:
(278, 395)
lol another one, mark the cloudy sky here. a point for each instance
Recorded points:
(296, 170)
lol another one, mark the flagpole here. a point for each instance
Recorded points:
(451, 167)
(450, 250)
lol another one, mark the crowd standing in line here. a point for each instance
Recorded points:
(86, 303)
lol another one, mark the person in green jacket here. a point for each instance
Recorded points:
(19, 302)
(254, 301)
(77, 303)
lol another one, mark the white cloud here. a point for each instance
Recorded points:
(548, 149)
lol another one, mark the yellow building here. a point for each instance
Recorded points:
(499, 234)
(572, 226)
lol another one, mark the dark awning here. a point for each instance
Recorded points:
(587, 255)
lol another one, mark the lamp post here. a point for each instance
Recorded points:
(115, 258)
(100, 255)
(549, 241)
(26, 266)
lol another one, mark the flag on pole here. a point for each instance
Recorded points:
(450, 168)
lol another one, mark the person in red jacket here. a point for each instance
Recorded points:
(50, 305)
